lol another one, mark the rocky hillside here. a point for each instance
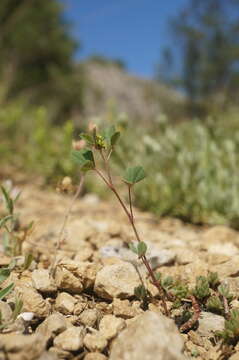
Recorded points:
(109, 86)
(89, 308)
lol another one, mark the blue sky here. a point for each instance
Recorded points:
(132, 30)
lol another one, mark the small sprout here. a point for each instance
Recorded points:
(27, 261)
(140, 249)
(8, 200)
(214, 304)
(231, 331)
(4, 292)
(134, 175)
(213, 280)
(201, 289)
(167, 282)
(179, 290)
(194, 353)
(141, 292)
(4, 274)
(224, 290)
(84, 158)
(17, 308)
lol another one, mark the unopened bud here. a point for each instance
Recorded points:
(78, 144)
(92, 127)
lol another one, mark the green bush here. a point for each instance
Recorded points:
(30, 142)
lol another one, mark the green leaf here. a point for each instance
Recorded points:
(142, 248)
(111, 135)
(8, 200)
(134, 175)
(5, 220)
(158, 276)
(84, 158)
(17, 308)
(88, 138)
(133, 248)
(27, 261)
(4, 273)
(6, 291)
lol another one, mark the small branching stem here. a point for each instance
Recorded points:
(196, 314)
(130, 216)
(66, 217)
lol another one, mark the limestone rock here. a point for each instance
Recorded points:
(95, 342)
(70, 339)
(88, 317)
(220, 234)
(150, 337)
(209, 323)
(228, 268)
(33, 301)
(53, 325)
(65, 303)
(42, 281)
(95, 356)
(25, 347)
(5, 311)
(110, 326)
(74, 276)
(118, 280)
(124, 309)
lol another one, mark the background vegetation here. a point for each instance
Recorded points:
(192, 164)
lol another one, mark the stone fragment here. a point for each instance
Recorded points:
(42, 282)
(5, 311)
(110, 326)
(220, 234)
(88, 317)
(53, 325)
(65, 303)
(118, 280)
(71, 339)
(74, 276)
(124, 309)
(149, 337)
(95, 342)
(95, 356)
(32, 301)
(25, 347)
(209, 323)
(228, 268)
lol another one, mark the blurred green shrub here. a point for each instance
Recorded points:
(29, 142)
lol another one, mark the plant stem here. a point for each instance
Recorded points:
(66, 217)
(132, 222)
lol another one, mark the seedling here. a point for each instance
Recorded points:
(103, 144)
(13, 235)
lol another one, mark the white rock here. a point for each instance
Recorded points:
(151, 336)
(32, 301)
(209, 323)
(118, 280)
(26, 316)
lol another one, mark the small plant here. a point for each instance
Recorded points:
(103, 145)
(214, 304)
(13, 235)
(231, 332)
(201, 290)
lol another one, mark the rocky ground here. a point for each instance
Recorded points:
(87, 309)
